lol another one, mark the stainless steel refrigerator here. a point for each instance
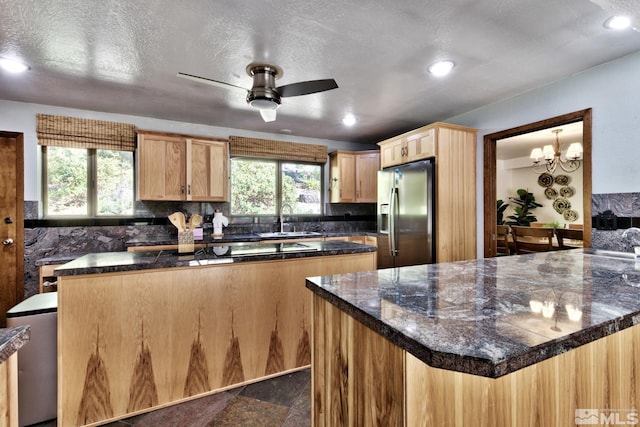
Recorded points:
(405, 215)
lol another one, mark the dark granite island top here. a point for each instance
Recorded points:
(110, 262)
(493, 316)
(11, 340)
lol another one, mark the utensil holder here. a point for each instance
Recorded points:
(185, 242)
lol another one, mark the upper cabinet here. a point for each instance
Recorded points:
(454, 150)
(179, 167)
(354, 176)
(414, 145)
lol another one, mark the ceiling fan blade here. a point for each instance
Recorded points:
(305, 88)
(268, 115)
(210, 82)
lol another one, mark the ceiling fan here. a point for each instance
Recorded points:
(264, 95)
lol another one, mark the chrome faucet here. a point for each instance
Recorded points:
(625, 232)
(284, 205)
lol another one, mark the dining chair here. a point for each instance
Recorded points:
(502, 240)
(571, 234)
(532, 239)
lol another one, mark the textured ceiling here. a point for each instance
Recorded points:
(123, 56)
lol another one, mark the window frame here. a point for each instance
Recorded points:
(278, 195)
(92, 191)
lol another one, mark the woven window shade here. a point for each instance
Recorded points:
(279, 150)
(62, 131)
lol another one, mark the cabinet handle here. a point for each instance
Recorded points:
(189, 189)
(182, 189)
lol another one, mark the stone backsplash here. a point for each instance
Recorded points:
(616, 221)
(72, 238)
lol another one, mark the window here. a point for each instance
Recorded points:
(264, 187)
(87, 182)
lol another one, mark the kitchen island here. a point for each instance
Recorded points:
(142, 330)
(548, 339)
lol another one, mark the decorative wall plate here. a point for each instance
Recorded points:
(551, 193)
(570, 215)
(567, 191)
(545, 180)
(561, 204)
(563, 179)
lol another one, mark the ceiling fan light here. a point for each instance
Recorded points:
(263, 104)
(13, 65)
(268, 115)
(441, 68)
(617, 23)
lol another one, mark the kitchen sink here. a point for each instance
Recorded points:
(289, 234)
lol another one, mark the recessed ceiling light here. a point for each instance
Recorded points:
(617, 23)
(13, 65)
(441, 68)
(349, 120)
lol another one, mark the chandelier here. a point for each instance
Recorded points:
(548, 158)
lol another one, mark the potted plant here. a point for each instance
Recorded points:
(526, 202)
(502, 206)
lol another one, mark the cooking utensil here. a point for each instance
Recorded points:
(195, 221)
(178, 220)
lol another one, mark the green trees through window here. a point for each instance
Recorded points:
(86, 182)
(260, 187)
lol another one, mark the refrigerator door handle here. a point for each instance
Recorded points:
(393, 200)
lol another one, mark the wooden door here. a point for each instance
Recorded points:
(367, 166)
(161, 167)
(11, 222)
(207, 170)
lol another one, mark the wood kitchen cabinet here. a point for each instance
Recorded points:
(181, 167)
(453, 148)
(151, 338)
(414, 145)
(354, 176)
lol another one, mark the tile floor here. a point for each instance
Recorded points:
(283, 401)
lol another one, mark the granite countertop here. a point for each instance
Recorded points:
(11, 340)
(493, 316)
(109, 262)
(168, 239)
(57, 259)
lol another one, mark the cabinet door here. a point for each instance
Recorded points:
(391, 153)
(367, 166)
(207, 170)
(161, 167)
(421, 145)
(343, 178)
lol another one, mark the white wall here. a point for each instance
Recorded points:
(517, 173)
(21, 117)
(611, 90)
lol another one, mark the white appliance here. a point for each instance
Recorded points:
(37, 359)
